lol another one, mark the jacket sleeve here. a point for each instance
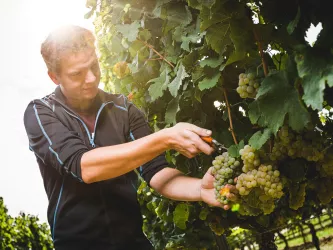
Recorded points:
(52, 142)
(139, 127)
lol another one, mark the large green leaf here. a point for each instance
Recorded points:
(276, 98)
(316, 69)
(209, 82)
(177, 14)
(260, 138)
(218, 36)
(181, 215)
(178, 80)
(210, 17)
(129, 31)
(212, 62)
(234, 149)
(172, 110)
(159, 85)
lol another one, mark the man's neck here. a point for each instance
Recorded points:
(86, 107)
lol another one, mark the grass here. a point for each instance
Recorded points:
(321, 233)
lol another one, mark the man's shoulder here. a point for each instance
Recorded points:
(46, 101)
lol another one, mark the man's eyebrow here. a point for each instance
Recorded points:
(84, 66)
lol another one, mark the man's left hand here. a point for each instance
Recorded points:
(207, 191)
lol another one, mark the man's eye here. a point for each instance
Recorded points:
(76, 73)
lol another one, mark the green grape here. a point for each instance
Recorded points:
(247, 85)
(289, 144)
(297, 195)
(325, 167)
(324, 188)
(265, 178)
(250, 158)
(225, 169)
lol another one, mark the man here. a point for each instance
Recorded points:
(88, 142)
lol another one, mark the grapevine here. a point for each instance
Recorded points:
(180, 57)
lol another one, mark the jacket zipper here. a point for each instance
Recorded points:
(91, 138)
(97, 116)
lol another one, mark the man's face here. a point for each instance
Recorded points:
(79, 75)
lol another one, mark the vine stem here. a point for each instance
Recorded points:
(159, 54)
(261, 51)
(231, 128)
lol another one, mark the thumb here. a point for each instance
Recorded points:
(201, 131)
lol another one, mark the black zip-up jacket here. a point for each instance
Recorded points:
(101, 215)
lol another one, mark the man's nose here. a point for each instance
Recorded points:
(90, 77)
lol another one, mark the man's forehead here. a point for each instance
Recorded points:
(82, 58)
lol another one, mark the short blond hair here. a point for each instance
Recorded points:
(70, 38)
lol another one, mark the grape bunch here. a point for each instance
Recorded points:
(324, 188)
(325, 167)
(266, 178)
(250, 158)
(296, 195)
(248, 85)
(288, 143)
(225, 169)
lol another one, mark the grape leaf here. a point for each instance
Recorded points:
(158, 8)
(89, 14)
(234, 149)
(181, 215)
(208, 83)
(172, 110)
(293, 24)
(159, 85)
(259, 139)
(129, 31)
(177, 15)
(209, 17)
(277, 98)
(212, 62)
(144, 35)
(203, 214)
(207, 3)
(217, 36)
(242, 39)
(315, 67)
(178, 80)
(134, 66)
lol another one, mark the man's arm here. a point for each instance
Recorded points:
(174, 185)
(112, 161)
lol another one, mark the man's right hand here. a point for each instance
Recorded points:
(186, 139)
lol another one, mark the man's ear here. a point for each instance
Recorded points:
(53, 77)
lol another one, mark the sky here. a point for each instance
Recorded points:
(24, 25)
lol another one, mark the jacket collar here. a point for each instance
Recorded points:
(101, 98)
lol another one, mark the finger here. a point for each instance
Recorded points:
(231, 197)
(200, 131)
(208, 180)
(226, 207)
(232, 188)
(202, 146)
